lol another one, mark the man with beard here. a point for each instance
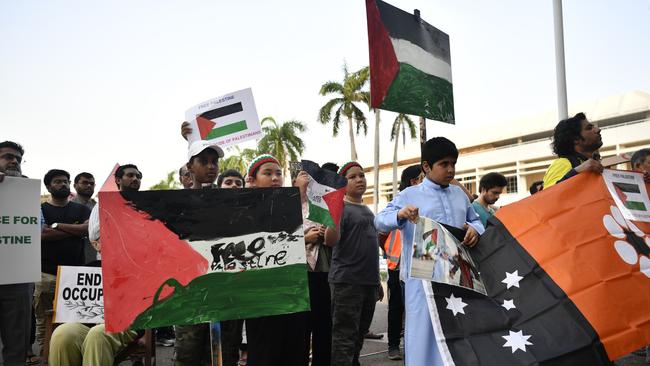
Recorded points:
(491, 186)
(15, 299)
(62, 244)
(575, 142)
(84, 185)
(76, 344)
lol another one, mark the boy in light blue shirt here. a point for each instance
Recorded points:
(437, 199)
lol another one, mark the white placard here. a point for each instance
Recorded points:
(228, 119)
(79, 295)
(629, 193)
(20, 230)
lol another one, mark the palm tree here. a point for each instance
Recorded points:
(238, 161)
(282, 141)
(402, 121)
(168, 183)
(346, 95)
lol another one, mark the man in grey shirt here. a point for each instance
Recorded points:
(354, 273)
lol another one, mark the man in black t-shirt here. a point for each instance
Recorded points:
(62, 243)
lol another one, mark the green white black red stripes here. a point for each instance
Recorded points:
(410, 64)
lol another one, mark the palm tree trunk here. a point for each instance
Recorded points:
(423, 130)
(395, 166)
(353, 147)
(376, 167)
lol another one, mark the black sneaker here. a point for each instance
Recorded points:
(394, 354)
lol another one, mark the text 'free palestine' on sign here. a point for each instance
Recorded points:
(228, 119)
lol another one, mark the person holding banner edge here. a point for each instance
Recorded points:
(277, 340)
(74, 344)
(193, 346)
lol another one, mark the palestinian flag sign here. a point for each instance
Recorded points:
(325, 194)
(194, 256)
(568, 283)
(410, 64)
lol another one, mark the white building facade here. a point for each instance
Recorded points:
(521, 149)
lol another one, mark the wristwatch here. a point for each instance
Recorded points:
(55, 225)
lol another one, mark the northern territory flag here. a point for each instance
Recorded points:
(568, 282)
(192, 256)
(325, 194)
(410, 64)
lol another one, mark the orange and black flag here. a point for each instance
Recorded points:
(568, 282)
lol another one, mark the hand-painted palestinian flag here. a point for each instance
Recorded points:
(568, 280)
(410, 64)
(193, 256)
(325, 194)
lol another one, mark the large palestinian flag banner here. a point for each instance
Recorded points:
(193, 256)
(410, 64)
(325, 194)
(568, 282)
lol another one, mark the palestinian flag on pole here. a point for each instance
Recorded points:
(194, 256)
(568, 283)
(410, 64)
(325, 194)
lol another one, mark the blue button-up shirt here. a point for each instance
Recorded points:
(447, 205)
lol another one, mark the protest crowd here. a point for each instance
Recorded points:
(343, 261)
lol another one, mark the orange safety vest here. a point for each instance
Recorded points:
(393, 249)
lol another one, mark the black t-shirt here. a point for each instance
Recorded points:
(68, 251)
(355, 258)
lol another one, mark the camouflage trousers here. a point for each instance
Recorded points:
(352, 309)
(192, 346)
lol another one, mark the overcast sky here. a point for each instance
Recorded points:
(86, 84)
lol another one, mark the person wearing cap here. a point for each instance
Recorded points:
(74, 344)
(354, 272)
(192, 345)
(438, 199)
(278, 339)
(392, 246)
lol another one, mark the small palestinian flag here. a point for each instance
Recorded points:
(325, 194)
(193, 256)
(410, 64)
(206, 125)
(568, 280)
(630, 195)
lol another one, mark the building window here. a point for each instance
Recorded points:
(512, 185)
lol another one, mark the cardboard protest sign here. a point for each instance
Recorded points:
(192, 256)
(79, 295)
(629, 192)
(438, 256)
(568, 283)
(228, 119)
(20, 230)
